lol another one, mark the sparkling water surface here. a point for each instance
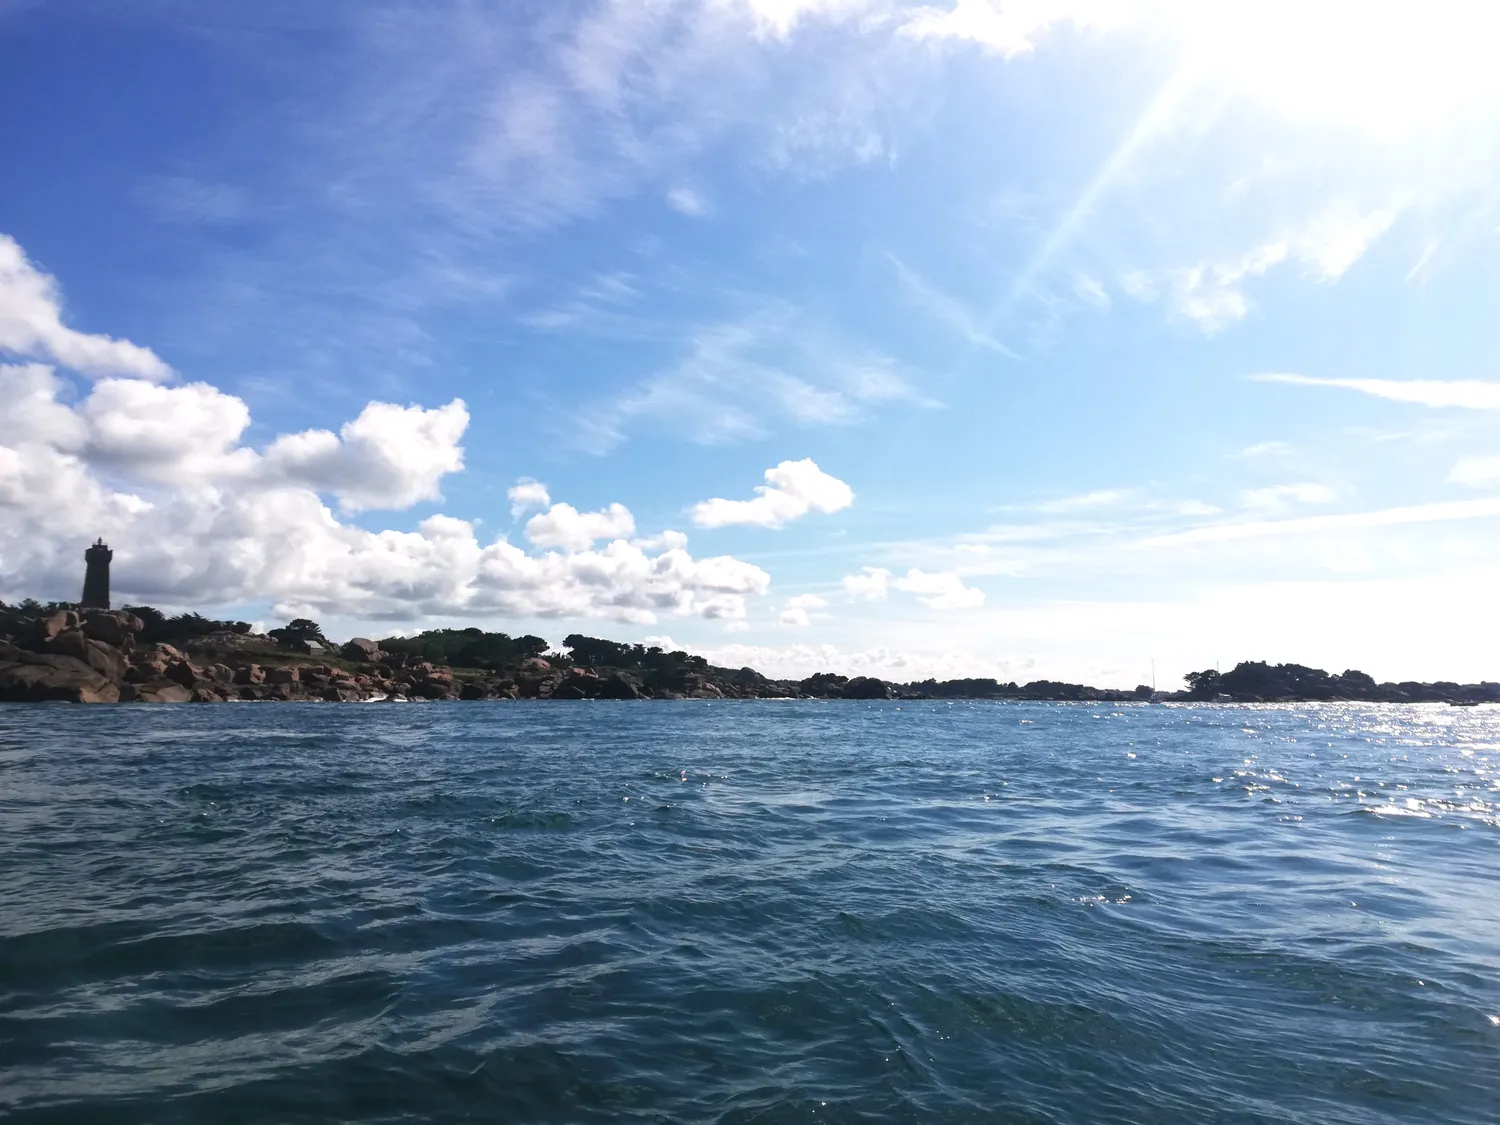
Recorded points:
(750, 912)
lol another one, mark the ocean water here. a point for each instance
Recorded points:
(750, 912)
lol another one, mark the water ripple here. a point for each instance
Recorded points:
(750, 913)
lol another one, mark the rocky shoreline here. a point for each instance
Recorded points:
(99, 656)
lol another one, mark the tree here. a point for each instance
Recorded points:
(531, 646)
(1203, 685)
(298, 634)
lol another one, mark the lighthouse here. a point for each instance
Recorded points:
(96, 577)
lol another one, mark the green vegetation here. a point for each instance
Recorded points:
(181, 629)
(466, 648)
(299, 634)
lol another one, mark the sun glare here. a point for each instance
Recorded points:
(1385, 67)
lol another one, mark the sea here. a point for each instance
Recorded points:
(753, 911)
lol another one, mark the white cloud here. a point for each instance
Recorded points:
(668, 540)
(741, 375)
(1264, 449)
(1086, 501)
(564, 526)
(1477, 472)
(940, 590)
(525, 495)
(31, 326)
(778, 18)
(1470, 394)
(1334, 241)
(164, 433)
(871, 584)
(1010, 28)
(237, 532)
(943, 590)
(686, 201)
(796, 612)
(794, 489)
(198, 518)
(1212, 294)
(389, 457)
(1440, 512)
(1281, 496)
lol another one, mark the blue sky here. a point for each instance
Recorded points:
(1017, 339)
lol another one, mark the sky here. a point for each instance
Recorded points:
(1063, 339)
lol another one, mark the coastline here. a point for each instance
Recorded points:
(103, 656)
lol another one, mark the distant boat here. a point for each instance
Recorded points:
(1463, 703)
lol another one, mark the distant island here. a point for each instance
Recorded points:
(138, 654)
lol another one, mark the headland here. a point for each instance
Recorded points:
(140, 655)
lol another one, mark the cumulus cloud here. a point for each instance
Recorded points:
(526, 495)
(197, 517)
(794, 489)
(165, 433)
(389, 457)
(31, 326)
(871, 584)
(565, 527)
(943, 590)
(807, 601)
(936, 590)
(796, 612)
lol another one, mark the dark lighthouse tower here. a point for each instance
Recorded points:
(96, 577)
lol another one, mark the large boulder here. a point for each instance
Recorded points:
(116, 628)
(58, 623)
(69, 642)
(619, 686)
(182, 672)
(107, 661)
(281, 676)
(362, 650)
(157, 691)
(249, 674)
(41, 676)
